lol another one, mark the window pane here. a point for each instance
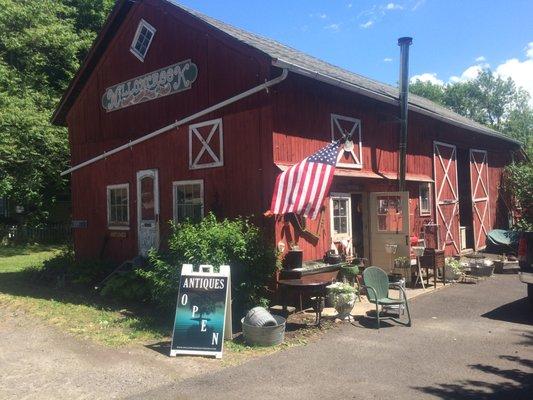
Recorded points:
(336, 224)
(118, 206)
(425, 205)
(189, 203)
(389, 210)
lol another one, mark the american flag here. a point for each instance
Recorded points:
(301, 188)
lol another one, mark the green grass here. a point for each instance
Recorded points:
(78, 311)
(18, 258)
(87, 315)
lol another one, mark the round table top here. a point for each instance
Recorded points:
(301, 283)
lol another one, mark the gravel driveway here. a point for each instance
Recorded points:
(467, 341)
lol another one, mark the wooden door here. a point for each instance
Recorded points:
(389, 227)
(479, 185)
(446, 196)
(148, 210)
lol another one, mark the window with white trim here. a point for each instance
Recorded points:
(142, 39)
(188, 200)
(118, 206)
(424, 198)
(340, 212)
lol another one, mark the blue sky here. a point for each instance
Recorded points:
(452, 39)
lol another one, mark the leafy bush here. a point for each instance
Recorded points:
(518, 184)
(129, 286)
(63, 269)
(237, 243)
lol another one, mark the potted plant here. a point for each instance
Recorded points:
(452, 268)
(342, 296)
(402, 269)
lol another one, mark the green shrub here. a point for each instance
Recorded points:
(63, 269)
(237, 243)
(518, 185)
(129, 286)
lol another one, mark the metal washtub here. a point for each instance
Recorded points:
(264, 335)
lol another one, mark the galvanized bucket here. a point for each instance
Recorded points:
(258, 316)
(264, 335)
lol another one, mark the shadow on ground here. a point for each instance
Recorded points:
(20, 284)
(518, 312)
(518, 384)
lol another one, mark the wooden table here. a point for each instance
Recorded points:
(316, 288)
(433, 259)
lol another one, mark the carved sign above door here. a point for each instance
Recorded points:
(163, 82)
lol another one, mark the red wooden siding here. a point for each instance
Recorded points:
(224, 70)
(290, 122)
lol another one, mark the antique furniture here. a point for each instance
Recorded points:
(308, 289)
(377, 291)
(435, 260)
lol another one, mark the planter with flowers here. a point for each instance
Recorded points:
(453, 269)
(342, 296)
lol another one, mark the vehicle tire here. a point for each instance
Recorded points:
(530, 294)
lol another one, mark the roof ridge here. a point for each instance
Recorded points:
(270, 47)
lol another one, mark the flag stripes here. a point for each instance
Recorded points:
(301, 189)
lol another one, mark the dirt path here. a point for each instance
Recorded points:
(39, 362)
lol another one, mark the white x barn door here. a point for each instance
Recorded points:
(479, 185)
(352, 154)
(446, 196)
(206, 144)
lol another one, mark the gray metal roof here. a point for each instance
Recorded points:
(299, 62)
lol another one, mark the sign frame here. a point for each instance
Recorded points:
(204, 271)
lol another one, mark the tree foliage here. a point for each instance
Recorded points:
(518, 185)
(41, 46)
(490, 100)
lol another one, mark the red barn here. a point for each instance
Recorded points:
(174, 114)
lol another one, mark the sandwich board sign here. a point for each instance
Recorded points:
(203, 311)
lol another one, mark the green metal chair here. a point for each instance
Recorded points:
(376, 283)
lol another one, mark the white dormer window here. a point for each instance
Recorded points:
(142, 39)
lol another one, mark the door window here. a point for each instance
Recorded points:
(390, 216)
(147, 199)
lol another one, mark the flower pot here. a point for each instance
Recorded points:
(344, 304)
(451, 275)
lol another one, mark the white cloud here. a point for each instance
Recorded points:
(519, 71)
(318, 15)
(387, 59)
(427, 77)
(529, 50)
(470, 73)
(350, 5)
(376, 13)
(418, 4)
(393, 6)
(333, 27)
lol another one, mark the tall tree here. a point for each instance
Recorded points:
(489, 100)
(41, 46)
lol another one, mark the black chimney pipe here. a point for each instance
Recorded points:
(404, 43)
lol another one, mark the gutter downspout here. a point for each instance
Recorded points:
(404, 44)
(183, 121)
